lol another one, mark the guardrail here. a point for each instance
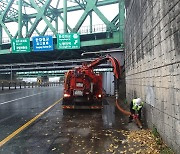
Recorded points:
(6, 85)
(83, 30)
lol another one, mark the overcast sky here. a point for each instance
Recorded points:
(109, 11)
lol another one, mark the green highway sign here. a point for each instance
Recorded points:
(20, 45)
(68, 41)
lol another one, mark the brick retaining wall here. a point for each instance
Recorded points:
(152, 63)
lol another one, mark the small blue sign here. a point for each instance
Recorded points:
(42, 43)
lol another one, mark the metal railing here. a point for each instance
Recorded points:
(83, 30)
(9, 85)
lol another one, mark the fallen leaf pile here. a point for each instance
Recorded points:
(146, 141)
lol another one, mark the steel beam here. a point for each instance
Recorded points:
(50, 25)
(115, 20)
(35, 29)
(20, 19)
(5, 12)
(89, 7)
(68, 27)
(91, 18)
(69, 9)
(2, 18)
(121, 18)
(65, 15)
(6, 30)
(39, 16)
(46, 28)
(27, 27)
(0, 36)
(114, 40)
(51, 13)
(57, 24)
(110, 26)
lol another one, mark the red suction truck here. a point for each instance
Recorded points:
(83, 87)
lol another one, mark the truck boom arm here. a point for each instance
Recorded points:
(115, 63)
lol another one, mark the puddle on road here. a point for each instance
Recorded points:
(108, 116)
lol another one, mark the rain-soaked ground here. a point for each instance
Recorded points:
(69, 131)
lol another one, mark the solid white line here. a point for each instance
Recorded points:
(20, 98)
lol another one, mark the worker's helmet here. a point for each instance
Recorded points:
(138, 101)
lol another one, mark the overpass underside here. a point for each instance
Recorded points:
(89, 43)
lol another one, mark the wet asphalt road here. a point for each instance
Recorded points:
(58, 131)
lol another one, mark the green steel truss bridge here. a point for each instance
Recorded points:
(28, 18)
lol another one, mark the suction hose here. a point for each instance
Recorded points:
(136, 119)
(122, 110)
(117, 96)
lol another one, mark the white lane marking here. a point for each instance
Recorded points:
(17, 131)
(20, 98)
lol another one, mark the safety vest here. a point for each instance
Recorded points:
(137, 107)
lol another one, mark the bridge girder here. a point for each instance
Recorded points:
(29, 13)
(26, 17)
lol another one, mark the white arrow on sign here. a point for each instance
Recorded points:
(75, 42)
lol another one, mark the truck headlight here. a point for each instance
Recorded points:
(99, 96)
(67, 95)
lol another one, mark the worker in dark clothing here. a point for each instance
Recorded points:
(135, 108)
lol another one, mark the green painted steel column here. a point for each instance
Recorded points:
(0, 35)
(90, 15)
(27, 27)
(65, 15)
(20, 19)
(121, 19)
(56, 23)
